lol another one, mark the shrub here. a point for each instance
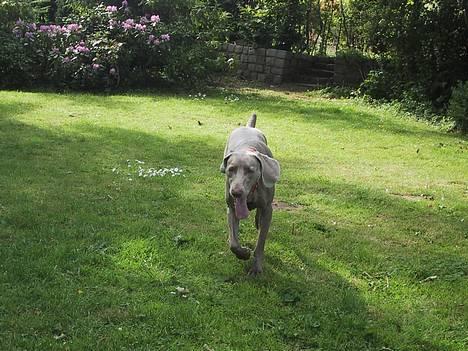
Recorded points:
(104, 48)
(16, 68)
(377, 85)
(11, 10)
(458, 106)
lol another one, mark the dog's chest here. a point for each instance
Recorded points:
(252, 201)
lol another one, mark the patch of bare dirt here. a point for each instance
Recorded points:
(285, 206)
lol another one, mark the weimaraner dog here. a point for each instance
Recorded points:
(251, 174)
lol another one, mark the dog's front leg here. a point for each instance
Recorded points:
(265, 215)
(242, 253)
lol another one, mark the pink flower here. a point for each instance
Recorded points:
(73, 27)
(53, 29)
(111, 9)
(96, 66)
(44, 28)
(165, 37)
(140, 27)
(66, 59)
(128, 24)
(81, 48)
(144, 20)
(155, 19)
(124, 3)
(156, 42)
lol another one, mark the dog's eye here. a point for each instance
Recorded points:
(230, 169)
(251, 169)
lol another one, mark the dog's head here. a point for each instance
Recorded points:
(246, 168)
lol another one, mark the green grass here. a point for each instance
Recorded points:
(371, 256)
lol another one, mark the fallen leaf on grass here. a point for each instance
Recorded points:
(432, 277)
(60, 336)
(180, 291)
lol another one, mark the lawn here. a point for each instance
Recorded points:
(368, 250)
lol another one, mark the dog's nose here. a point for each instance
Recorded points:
(236, 192)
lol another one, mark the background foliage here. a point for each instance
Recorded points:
(421, 45)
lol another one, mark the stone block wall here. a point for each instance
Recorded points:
(279, 66)
(265, 65)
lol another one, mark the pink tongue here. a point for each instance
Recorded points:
(241, 208)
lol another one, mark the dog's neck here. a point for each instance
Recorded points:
(254, 188)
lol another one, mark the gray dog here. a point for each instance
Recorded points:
(251, 174)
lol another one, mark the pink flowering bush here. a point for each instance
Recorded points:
(104, 49)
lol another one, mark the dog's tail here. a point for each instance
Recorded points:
(252, 121)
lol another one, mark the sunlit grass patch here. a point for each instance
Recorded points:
(367, 249)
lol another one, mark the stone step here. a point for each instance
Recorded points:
(317, 65)
(314, 80)
(312, 71)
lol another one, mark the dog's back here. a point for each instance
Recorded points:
(247, 138)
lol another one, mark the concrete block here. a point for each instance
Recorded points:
(270, 61)
(259, 68)
(238, 49)
(277, 71)
(261, 77)
(279, 63)
(276, 80)
(271, 52)
(281, 54)
(260, 52)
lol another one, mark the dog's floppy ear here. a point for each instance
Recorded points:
(222, 168)
(270, 169)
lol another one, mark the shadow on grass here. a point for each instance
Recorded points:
(87, 251)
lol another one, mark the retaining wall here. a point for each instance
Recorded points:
(279, 66)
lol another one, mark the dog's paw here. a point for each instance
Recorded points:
(242, 253)
(255, 270)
